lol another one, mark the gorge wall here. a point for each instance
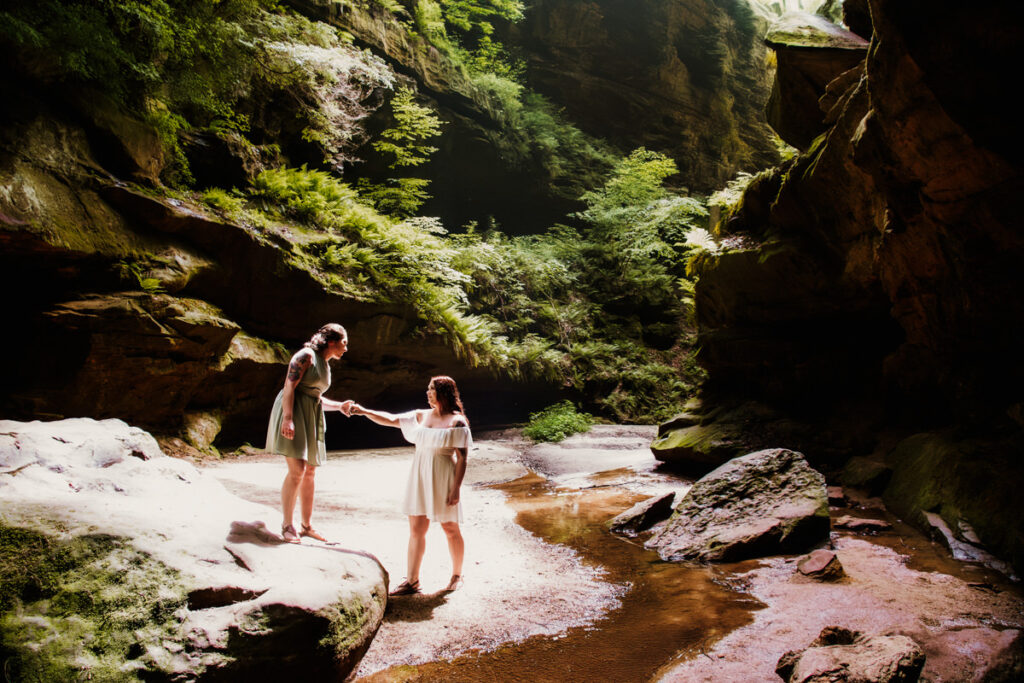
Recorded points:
(877, 280)
(687, 78)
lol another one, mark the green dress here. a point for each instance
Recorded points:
(308, 415)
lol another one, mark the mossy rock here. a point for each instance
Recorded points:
(701, 447)
(680, 421)
(976, 482)
(755, 505)
(88, 606)
(118, 563)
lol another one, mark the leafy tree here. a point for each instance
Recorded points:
(402, 144)
(413, 124)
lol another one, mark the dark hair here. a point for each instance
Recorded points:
(331, 332)
(447, 394)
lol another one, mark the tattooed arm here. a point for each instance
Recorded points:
(296, 369)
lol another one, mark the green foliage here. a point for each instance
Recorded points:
(478, 16)
(637, 180)
(491, 57)
(136, 273)
(556, 422)
(228, 203)
(730, 195)
(186, 65)
(605, 309)
(429, 21)
(400, 197)
(305, 195)
(413, 124)
(402, 146)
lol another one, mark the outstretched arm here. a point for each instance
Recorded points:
(378, 416)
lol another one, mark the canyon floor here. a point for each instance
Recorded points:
(550, 595)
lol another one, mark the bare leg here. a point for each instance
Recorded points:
(418, 525)
(456, 545)
(306, 489)
(290, 488)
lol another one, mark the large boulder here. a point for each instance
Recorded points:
(758, 504)
(119, 562)
(842, 656)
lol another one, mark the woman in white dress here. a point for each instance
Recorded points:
(442, 439)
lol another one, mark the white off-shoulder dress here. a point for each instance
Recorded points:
(433, 468)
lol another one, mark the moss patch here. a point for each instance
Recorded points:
(963, 481)
(85, 607)
(709, 445)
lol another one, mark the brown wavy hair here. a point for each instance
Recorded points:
(447, 394)
(331, 332)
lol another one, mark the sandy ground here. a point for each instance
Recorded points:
(518, 585)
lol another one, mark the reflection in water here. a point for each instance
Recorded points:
(670, 612)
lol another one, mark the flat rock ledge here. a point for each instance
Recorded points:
(763, 503)
(120, 563)
(841, 655)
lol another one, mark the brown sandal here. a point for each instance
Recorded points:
(406, 588)
(453, 584)
(289, 535)
(308, 530)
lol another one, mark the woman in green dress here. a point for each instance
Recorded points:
(297, 424)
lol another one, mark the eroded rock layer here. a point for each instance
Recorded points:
(877, 275)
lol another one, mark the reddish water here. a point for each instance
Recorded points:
(670, 612)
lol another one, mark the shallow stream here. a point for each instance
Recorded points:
(670, 611)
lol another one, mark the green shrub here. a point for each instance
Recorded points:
(557, 422)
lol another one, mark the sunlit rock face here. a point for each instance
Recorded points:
(127, 563)
(688, 78)
(878, 274)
